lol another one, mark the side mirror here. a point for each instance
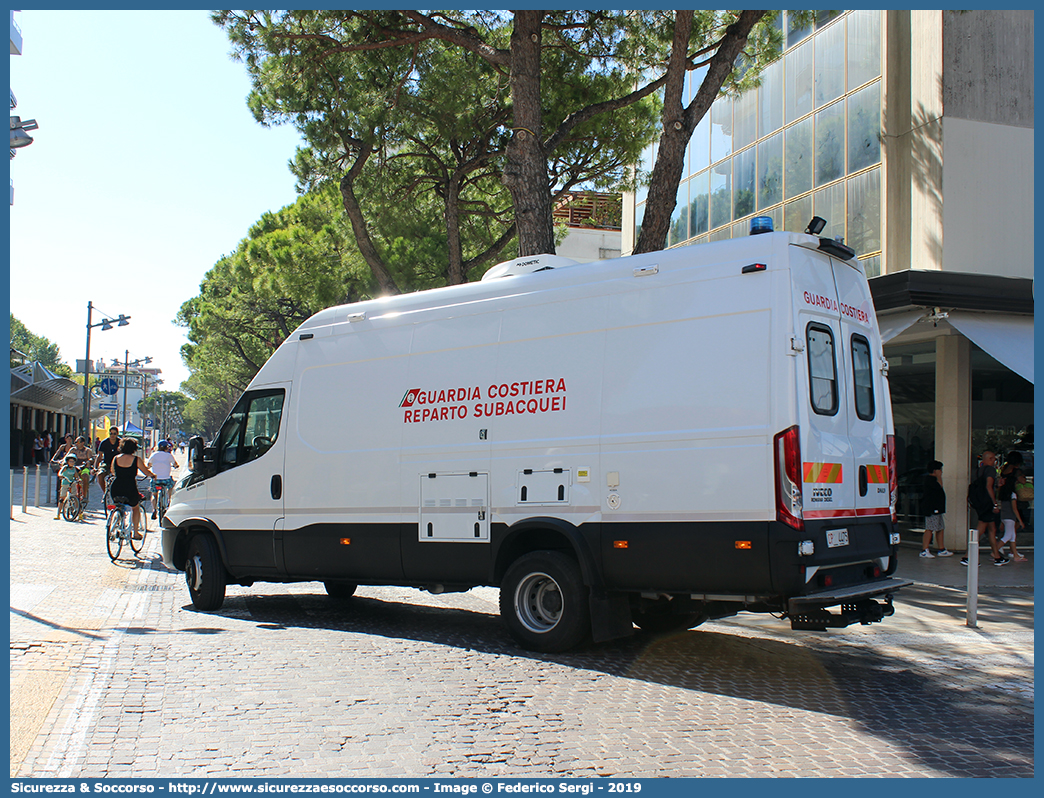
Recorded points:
(195, 454)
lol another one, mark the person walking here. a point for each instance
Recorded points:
(934, 505)
(989, 510)
(1011, 519)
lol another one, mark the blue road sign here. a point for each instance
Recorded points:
(108, 406)
(109, 386)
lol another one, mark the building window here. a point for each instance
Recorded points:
(830, 144)
(744, 173)
(830, 64)
(798, 168)
(829, 203)
(770, 171)
(679, 230)
(864, 212)
(721, 129)
(798, 81)
(864, 47)
(699, 207)
(796, 215)
(770, 99)
(721, 194)
(864, 128)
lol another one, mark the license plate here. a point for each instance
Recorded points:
(837, 537)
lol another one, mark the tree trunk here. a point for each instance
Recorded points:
(385, 281)
(678, 123)
(455, 273)
(525, 170)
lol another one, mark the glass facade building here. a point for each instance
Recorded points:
(806, 141)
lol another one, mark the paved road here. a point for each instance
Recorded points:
(113, 674)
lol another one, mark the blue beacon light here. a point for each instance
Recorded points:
(760, 224)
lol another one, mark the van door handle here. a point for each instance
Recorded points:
(862, 480)
(277, 486)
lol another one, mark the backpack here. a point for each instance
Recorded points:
(978, 496)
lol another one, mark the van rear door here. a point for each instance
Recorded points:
(828, 461)
(868, 404)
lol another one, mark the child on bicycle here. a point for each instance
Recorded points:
(163, 463)
(68, 474)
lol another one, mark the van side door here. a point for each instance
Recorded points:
(245, 495)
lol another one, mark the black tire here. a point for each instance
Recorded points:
(665, 624)
(544, 602)
(113, 535)
(205, 574)
(340, 590)
(71, 509)
(136, 545)
(161, 505)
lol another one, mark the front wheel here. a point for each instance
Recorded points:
(114, 524)
(71, 508)
(204, 573)
(544, 602)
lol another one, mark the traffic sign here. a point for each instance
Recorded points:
(109, 386)
(108, 406)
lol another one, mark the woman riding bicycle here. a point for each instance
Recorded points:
(162, 462)
(124, 490)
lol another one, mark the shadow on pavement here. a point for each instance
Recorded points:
(929, 714)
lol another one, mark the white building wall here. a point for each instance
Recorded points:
(987, 208)
(586, 245)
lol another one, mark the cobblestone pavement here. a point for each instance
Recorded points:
(113, 674)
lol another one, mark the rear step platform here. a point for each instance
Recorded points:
(810, 612)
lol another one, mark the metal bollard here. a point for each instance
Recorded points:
(48, 494)
(25, 489)
(36, 487)
(973, 577)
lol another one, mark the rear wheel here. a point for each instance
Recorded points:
(204, 573)
(161, 504)
(114, 524)
(137, 545)
(340, 590)
(544, 602)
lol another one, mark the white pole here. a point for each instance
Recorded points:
(36, 487)
(25, 489)
(973, 576)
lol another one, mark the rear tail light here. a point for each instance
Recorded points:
(893, 478)
(788, 478)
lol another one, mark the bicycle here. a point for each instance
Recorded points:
(74, 502)
(118, 530)
(162, 501)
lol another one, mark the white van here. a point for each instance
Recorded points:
(653, 440)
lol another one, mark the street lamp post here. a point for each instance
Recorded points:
(105, 324)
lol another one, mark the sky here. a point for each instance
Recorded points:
(147, 167)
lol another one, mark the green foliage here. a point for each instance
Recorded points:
(292, 264)
(37, 348)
